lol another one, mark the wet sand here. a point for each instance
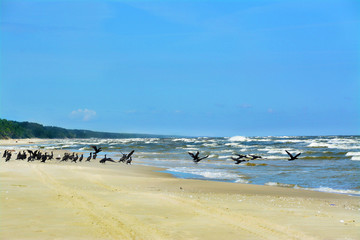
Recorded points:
(89, 200)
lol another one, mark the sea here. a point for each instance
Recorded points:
(326, 164)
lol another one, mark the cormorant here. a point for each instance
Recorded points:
(96, 149)
(75, 158)
(239, 158)
(292, 158)
(126, 157)
(129, 160)
(106, 159)
(196, 158)
(89, 157)
(8, 156)
(253, 157)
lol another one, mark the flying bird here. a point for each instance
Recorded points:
(196, 158)
(253, 157)
(96, 149)
(292, 158)
(239, 158)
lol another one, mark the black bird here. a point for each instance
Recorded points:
(129, 160)
(196, 158)
(44, 157)
(96, 149)
(89, 157)
(253, 157)
(8, 156)
(292, 158)
(51, 156)
(81, 157)
(239, 158)
(75, 158)
(65, 157)
(5, 153)
(106, 159)
(126, 157)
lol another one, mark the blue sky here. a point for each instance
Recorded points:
(200, 68)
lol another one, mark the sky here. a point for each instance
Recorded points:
(191, 68)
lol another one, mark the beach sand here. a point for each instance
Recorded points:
(89, 200)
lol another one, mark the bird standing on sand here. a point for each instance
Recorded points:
(89, 157)
(292, 158)
(129, 161)
(97, 150)
(8, 156)
(126, 157)
(106, 159)
(196, 158)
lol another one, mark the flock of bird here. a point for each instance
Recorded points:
(240, 158)
(31, 155)
(125, 158)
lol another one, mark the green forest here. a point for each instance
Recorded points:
(13, 129)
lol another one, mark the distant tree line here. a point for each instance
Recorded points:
(14, 129)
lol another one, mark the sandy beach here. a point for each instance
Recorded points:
(89, 200)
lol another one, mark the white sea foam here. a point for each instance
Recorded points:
(210, 144)
(331, 190)
(207, 173)
(238, 139)
(318, 144)
(352, 154)
(241, 180)
(355, 158)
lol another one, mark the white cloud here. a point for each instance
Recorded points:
(83, 114)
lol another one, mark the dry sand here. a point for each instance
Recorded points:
(85, 200)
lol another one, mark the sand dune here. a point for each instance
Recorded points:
(117, 201)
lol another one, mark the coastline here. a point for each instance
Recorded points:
(117, 201)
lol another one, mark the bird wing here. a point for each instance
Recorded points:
(191, 154)
(289, 154)
(130, 153)
(297, 155)
(197, 154)
(95, 148)
(203, 157)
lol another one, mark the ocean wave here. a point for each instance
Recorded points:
(352, 154)
(241, 180)
(209, 173)
(331, 190)
(355, 158)
(272, 157)
(238, 139)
